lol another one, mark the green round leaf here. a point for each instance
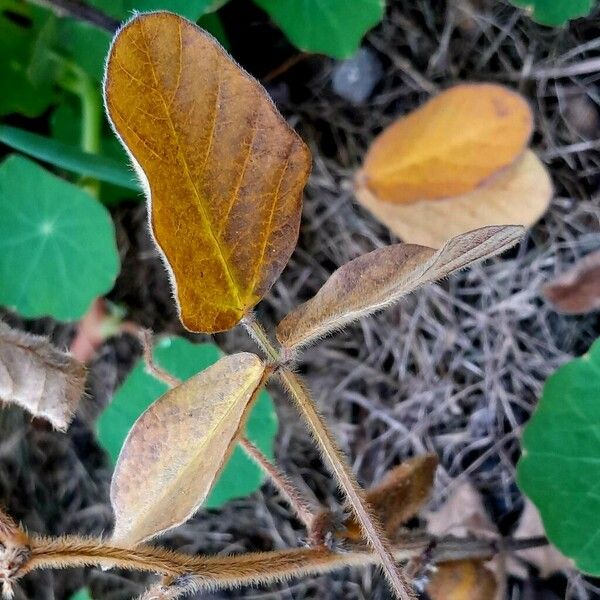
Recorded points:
(560, 466)
(57, 244)
(332, 27)
(124, 9)
(555, 12)
(183, 359)
(82, 594)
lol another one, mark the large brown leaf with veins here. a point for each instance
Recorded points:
(222, 170)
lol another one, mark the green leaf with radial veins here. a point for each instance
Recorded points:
(560, 466)
(332, 27)
(57, 244)
(184, 359)
(556, 12)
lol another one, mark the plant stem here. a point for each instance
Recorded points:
(281, 481)
(332, 453)
(228, 571)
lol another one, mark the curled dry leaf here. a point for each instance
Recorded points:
(222, 171)
(379, 278)
(449, 146)
(462, 580)
(179, 445)
(577, 291)
(399, 497)
(38, 377)
(519, 195)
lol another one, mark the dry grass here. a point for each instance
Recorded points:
(455, 369)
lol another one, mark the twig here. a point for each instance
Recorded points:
(80, 11)
(334, 456)
(281, 481)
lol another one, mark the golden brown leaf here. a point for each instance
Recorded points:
(222, 171)
(449, 146)
(462, 580)
(399, 497)
(38, 377)
(519, 195)
(379, 278)
(178, 446)
(577, 291)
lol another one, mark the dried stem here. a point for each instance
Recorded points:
(190, 573)
(286, 488)
(297, 501)
(339, 465)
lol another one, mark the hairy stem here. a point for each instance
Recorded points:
(211, 572)
(333, 455)
(281, 481)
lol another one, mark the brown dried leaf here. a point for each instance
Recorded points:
(547, 559)
(577, 291)
(178, 446)
(399, 497)
(518, 195)
(379, 278)
(450, 145)
(38, 377)
(462, 580)
(461, 515)
(222, 171)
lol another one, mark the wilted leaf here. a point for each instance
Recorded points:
(560, 466)
(379, 278)
(577, 291)
(399, 497)
(462, 580)
(223, 171)
(547, 559)
(555, 12)
(179, 445)
(519, 195)
(449, 146)
(183, 359)
(325, 26)
(57, 244)
(38, 377)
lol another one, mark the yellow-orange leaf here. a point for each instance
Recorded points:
(450, 145)
(379, 278)
(399, 497)
(462, 580)
(519, 195)
(222, 171)
(178, 446)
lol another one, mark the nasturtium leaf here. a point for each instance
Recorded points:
(25, 73)
(556, 12)
(331, 27)
(379, 278)
(560, 466)
(124, 9)
(222, 170)
(518, 195)
(178, 447)
(449, 146)
(183, 359)
(57, 244)
(82, 594)
(85, 44)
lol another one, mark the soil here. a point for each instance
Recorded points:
(456, 368)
